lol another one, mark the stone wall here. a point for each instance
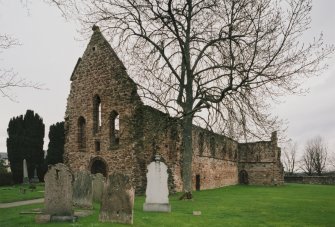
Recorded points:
(261, 162)
(93, 143)
(214, 159)
(101, 74)
(310, 179)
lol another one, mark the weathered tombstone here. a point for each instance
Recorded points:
(35, 178)
(83, 190)
(157, 192)
(98, 185)
(58, 190)
(117, 200)
(25, 172)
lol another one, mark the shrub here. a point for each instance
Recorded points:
(6, 179)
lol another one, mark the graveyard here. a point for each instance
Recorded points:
(287, 205)
(168, 118)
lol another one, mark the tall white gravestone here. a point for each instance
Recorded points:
(157, 192)
(25, 172)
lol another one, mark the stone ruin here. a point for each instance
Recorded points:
(109, 129)
(117, 200)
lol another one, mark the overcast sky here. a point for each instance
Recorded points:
(51, 46)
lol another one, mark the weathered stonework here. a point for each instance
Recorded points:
(58, 190)
(117, 200)
(83, 190)
(98, 141)
(261, 161)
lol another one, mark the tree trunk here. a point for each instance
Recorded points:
(187, 157)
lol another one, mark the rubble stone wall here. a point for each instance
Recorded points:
(144, 131)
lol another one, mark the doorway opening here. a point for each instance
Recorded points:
(197, 182)
(98, 165)
(243, 177)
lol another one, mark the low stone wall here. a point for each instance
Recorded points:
(310, 179)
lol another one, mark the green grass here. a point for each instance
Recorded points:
(13, 193)
(289, 205)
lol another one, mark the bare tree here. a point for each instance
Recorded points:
(306, 163)
(8, 78)
(315, 156)
(215, 61)
(289, 157)
(332, 161)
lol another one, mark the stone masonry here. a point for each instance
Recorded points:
(109, 130)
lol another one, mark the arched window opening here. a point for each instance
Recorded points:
(99, 166)
(114, 127)
(82, 133)
(99, 115)
(96, 114)
(201, 143)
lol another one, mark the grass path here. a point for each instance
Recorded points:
(21, 203)
(288, 205)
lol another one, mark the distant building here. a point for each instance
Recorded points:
(4, 156)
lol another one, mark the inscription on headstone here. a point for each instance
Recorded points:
(83, 190)
(117, 200)
(58, 190)
(157, 192)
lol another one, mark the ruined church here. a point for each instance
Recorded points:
(109, 129)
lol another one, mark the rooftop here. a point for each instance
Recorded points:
(3, 156)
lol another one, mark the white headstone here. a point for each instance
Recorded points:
(157, 192)
(25, 172)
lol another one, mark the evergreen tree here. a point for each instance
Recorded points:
(33, 140)
(56, 144)
(25, 141)
(15, 147)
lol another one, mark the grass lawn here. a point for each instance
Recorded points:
(289, 205)
(15, 193)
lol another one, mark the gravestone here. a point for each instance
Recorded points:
(58, 190)
(25, 172)
(83, 190)
(35, 178)
(157, 192)
(117, 200)
(98, 185)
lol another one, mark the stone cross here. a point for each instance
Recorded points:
(83, 190)
(117, 200)
(58, 191)
(25, 172)
(157, 192)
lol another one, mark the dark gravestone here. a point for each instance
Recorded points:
(98, 185)
(83, 190)
(117, 200)
(58, 190)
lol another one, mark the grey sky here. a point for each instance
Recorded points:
(50, 48)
